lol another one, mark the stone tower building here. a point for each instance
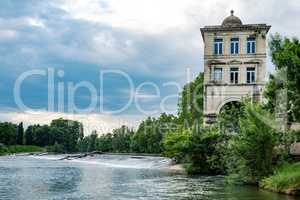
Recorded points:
(234, 63)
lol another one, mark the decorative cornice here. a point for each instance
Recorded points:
(246, 27)
(257, 62)
(239, 56)
(211, 83)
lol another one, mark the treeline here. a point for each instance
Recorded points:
(61, 135)
(148, 138)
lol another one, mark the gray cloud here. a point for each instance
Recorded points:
(40, 34)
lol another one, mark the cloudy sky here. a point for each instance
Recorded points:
(141, 47)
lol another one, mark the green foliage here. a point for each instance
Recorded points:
(65, 133)
(176, 144)
(190, 106)
(206, 151)
(89, 143)
(8, 133)
(229, 116)
(203, 150)
(293, 136)
(93, 142)
(121, 139)
(286, 57)
(105, 143)
(3, 149)
(56, 148)
(24, 149)
(72, 132)
(29, 137)
(251, 151)
(20, 134)
(285, 179)
(42, 135)
(149, 136)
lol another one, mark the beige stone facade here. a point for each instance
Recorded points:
(234, 63)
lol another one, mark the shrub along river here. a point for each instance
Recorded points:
(112, 177)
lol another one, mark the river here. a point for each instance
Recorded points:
(112, 177)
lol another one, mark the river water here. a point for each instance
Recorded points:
(112, 177)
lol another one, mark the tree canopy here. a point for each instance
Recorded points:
(285, 82)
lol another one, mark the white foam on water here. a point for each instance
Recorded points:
(48, 157)
(116, 161)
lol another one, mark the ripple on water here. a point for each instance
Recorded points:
(25, 178)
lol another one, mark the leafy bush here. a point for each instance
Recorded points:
(202, 151)
(285, 179)
(177, 144)
(251, 151)
(3, 149)
(56, 148)
(24, 149)
(149, 136)
(206, 152)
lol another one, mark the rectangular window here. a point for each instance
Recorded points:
(251, 45)
(218, 74)
(234, 46)
(234, 75)
(250, 74)
(218, 46)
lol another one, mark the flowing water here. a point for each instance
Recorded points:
(111, 177)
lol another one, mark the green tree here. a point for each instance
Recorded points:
(8, 133)
(176, 144)
(206, 151)
(29, 135)
(105, 143)
(42, 135)
(3, 149)
(149, 136)
(285, 55)
(121, 138)
(229, 116)
(56, 135)
(251, 151)
(190, 106)
(20, 134)
(72, 132)
(93, 141)
(83, 144)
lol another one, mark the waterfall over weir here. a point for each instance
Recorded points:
(119, 161)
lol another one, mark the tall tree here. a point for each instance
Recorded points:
(285, 54)
(121, 139)
(93, 141)
(72, 133)
(191, 102)
(42, 135)
(29, 137)
(251, 151)
(149, 136)
(105, 143)
(8, 133)
(20, 134)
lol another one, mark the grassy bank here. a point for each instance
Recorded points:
(20, 149)
(285, 180)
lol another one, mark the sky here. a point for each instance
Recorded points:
(112, 62)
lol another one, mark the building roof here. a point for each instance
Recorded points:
(233, 23)
(232, 20)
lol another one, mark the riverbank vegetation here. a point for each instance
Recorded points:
(61, 135)
(286, 179)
